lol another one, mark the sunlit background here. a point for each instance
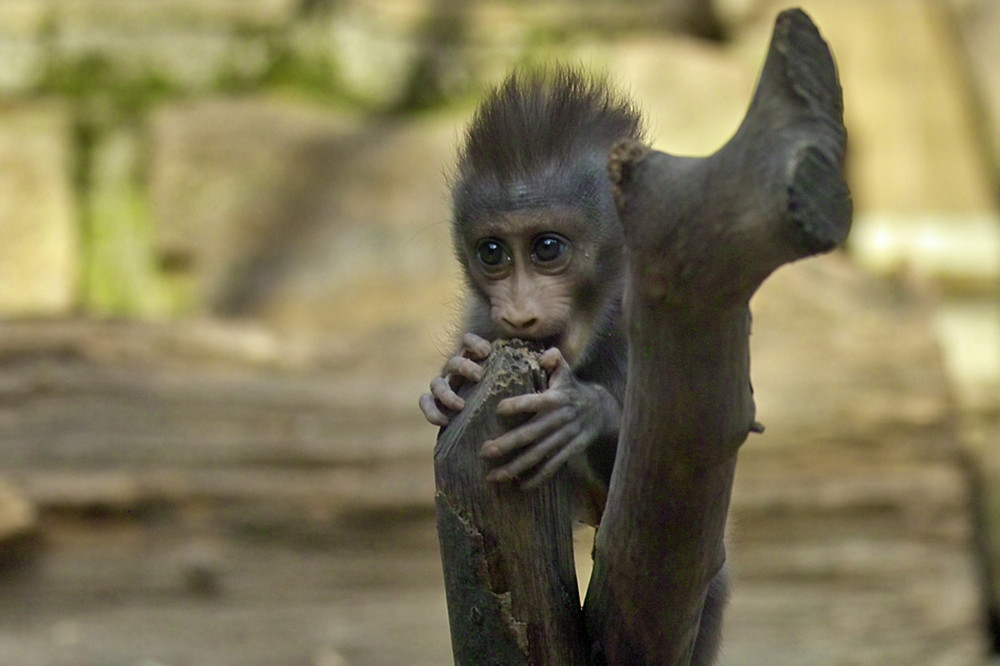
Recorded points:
(225, 277)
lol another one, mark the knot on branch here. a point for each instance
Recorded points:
(819, 203)
(623, 156)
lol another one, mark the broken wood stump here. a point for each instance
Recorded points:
(507, 553)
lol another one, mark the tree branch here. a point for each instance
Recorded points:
(701, 235)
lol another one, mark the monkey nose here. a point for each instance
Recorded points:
(520, 324)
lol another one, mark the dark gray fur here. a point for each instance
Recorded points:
(542, 139)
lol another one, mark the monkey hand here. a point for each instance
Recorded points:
(460, 368)
(568, 417)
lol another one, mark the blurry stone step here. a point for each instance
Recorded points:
(248, 497)
(93, 395)
(18, 521)
(852, 509)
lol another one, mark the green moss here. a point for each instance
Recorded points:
(121, 277)
(110, 99)
(93, 77)
(548, 35)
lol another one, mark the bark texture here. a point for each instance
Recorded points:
(507, 553)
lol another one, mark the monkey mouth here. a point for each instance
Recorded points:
(540, 343)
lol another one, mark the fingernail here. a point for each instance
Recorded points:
(499, 476)
(489, 450)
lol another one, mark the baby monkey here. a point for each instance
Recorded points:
(537, 234)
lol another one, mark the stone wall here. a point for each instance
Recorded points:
(154, 152)
(39, 236)
(95, 92)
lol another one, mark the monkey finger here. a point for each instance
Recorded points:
(464, 367)
(442, 391)
(557, 366)
(531, 457)
(524, 435)
(532, 403)
(552, 465)
(477, 347)
(431, 412)
(552, 360)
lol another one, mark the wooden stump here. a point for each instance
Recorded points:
(507, 553)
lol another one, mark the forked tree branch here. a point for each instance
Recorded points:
(702, 234)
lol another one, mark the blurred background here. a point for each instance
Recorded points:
(225, 277)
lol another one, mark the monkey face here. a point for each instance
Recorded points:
(534, 268)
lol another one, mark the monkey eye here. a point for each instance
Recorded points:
(492, 253)
(548, 248)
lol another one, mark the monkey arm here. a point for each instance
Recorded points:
(570, 416)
